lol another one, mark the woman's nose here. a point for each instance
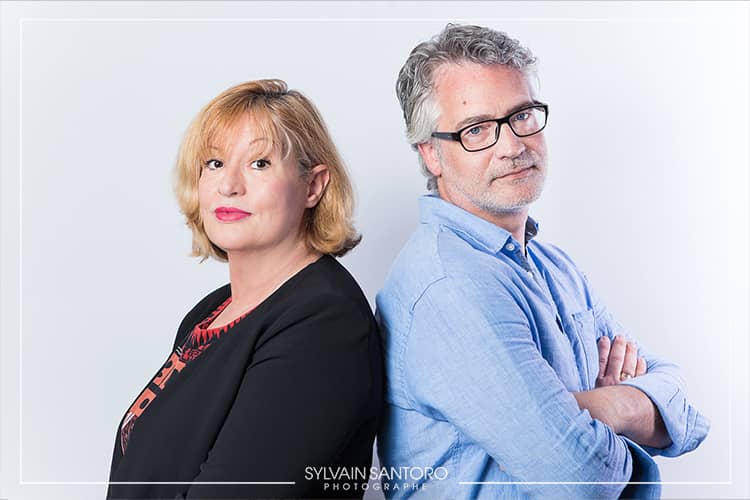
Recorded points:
(232, 181)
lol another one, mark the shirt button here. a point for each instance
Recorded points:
(510, 247)
(500, 466)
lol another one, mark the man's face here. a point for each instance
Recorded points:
(504, 178)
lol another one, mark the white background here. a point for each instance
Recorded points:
(648, 191)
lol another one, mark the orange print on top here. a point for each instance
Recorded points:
(173, 364)
(142, 402)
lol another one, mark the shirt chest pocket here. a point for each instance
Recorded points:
(585, 347)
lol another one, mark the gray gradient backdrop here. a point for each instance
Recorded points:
(648, 191)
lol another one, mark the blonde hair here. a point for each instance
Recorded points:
(295, 126)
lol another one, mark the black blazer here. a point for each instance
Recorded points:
(294, 385)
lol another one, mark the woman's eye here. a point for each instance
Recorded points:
(260, 164)
(214, 164)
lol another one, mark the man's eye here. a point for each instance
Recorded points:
(480, 129)
(523, 115)
(214, 164)
(260, 164)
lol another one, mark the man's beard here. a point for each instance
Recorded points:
(485, 198)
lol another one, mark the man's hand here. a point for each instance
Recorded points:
(627, 410)
(618, 361)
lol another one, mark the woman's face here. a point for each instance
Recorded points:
(251, 202)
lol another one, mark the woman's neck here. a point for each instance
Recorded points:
(253, 276)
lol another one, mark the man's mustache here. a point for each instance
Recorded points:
(520, 162)
(524, 160)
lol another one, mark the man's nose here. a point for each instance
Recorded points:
(509, 145)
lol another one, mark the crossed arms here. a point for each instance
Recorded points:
(627, 410)
(495, 386)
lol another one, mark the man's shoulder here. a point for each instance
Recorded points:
(416, 265)
(554, 257)
(436, 253)
(550, 250)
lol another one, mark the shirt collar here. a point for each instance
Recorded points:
(433, 209)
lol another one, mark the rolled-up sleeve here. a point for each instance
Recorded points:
(472, 361)
(664, 384)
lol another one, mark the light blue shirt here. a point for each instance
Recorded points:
(482, 353)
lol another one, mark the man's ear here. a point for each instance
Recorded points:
(317, 180)
(429, 153)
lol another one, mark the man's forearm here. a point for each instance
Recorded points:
(628, 411)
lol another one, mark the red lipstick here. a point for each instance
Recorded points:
(230, 214)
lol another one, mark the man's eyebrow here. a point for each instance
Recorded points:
(480, 118)
(473, 119)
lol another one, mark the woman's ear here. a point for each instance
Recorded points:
(317, 180)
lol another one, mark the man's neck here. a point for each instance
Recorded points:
(513, 221)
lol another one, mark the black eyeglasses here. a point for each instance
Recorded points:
(482, 135)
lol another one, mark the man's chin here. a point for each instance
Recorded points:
(503, 207)
(506, 204)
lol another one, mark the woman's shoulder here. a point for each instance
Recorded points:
(325, 279)
(323, 296)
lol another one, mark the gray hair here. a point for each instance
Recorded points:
(455, 44)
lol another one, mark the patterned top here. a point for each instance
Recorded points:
(198, 341)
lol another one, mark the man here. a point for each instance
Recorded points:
(503, 365)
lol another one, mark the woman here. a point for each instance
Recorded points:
(277, 374)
